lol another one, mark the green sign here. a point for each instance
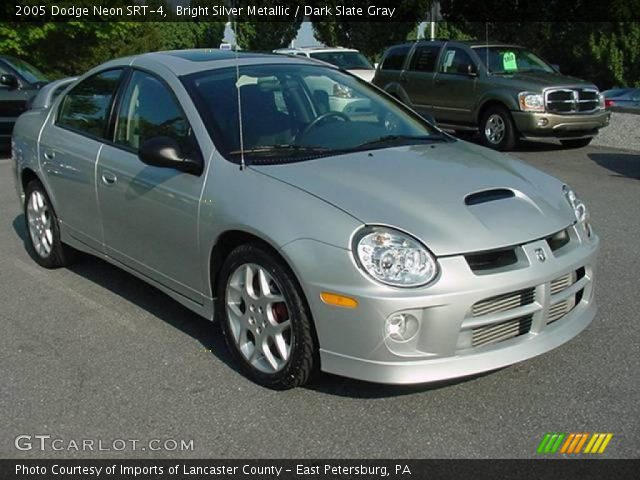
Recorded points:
(509, 61)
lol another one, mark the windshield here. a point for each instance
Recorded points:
(30, 73)
(300, 111)
(508, 60)
(345, 60)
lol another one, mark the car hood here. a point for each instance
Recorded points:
(539, 80)
(364, 74)
(421, 189)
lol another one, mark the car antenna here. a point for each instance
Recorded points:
(486, 46)
(235, 47)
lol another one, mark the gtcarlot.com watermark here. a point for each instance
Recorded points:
(50, 443)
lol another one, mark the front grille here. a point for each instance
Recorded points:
(483, 261)
(558, 240)
(562, 283)
(512, 314)
(571, 100)
(503, 303)
(559, 310)
(498, 332)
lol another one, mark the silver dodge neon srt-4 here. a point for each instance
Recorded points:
(323, 223)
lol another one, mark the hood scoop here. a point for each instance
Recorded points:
(488, 196)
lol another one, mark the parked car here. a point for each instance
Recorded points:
(347, 59)
(503, 91)
(19, 82)
(375, 247)
(628, 98)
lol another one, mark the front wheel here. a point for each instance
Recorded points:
(265, 318)
(43, 229)
(497, 130)
(576, 142)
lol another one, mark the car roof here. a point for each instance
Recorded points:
(467, 43)
(316, 49)
(185, 62)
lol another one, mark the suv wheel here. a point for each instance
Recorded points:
(43, 229)
(497, 130)
(576, 142)
(265, 319)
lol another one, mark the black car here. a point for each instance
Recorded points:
(19, 82)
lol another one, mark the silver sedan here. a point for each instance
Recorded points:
(324, 224)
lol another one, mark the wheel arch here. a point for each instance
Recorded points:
(231, 239)
(487, 104)
(228, 240)
(27, 175)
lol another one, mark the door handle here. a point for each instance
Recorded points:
(49, 155)
(109, 178)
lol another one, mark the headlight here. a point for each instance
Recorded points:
(602, 103)
(579, 208)
(342, 91)
(531, 102)
(393, 257)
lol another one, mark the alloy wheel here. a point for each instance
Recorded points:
(259, 318)
(494, 129)
(40, 224)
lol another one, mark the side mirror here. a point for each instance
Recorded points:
(472, 71)
(9, 80)
(165, 152)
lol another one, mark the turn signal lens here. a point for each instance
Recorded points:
(338, 300)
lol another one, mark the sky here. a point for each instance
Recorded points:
(305, 36)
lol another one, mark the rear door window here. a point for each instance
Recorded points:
(85, 109)
(395, 58)
(424, 58)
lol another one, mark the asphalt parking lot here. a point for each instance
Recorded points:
(94, 353)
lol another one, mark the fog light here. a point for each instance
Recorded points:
(401, 327)
(543, 122)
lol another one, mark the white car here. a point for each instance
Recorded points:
(345, 58)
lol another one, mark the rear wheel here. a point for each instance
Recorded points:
(265, 319)
(497, 130)
(576, 142)
(43, 229)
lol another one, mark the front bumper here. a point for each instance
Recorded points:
(551, 125)
(353, 342)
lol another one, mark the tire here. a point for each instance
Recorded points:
(576, 142)
(43, 229)
(497, 130)
(251, 320)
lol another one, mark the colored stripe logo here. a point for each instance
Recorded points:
(574, 443)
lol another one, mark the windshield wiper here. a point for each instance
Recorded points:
(281, 149)
(394, 139)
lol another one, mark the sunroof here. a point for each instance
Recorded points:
(207, 55)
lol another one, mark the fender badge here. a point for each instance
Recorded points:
(540, 255)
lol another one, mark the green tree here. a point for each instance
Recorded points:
(371, 38)
(252, 34)
(70, 48)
